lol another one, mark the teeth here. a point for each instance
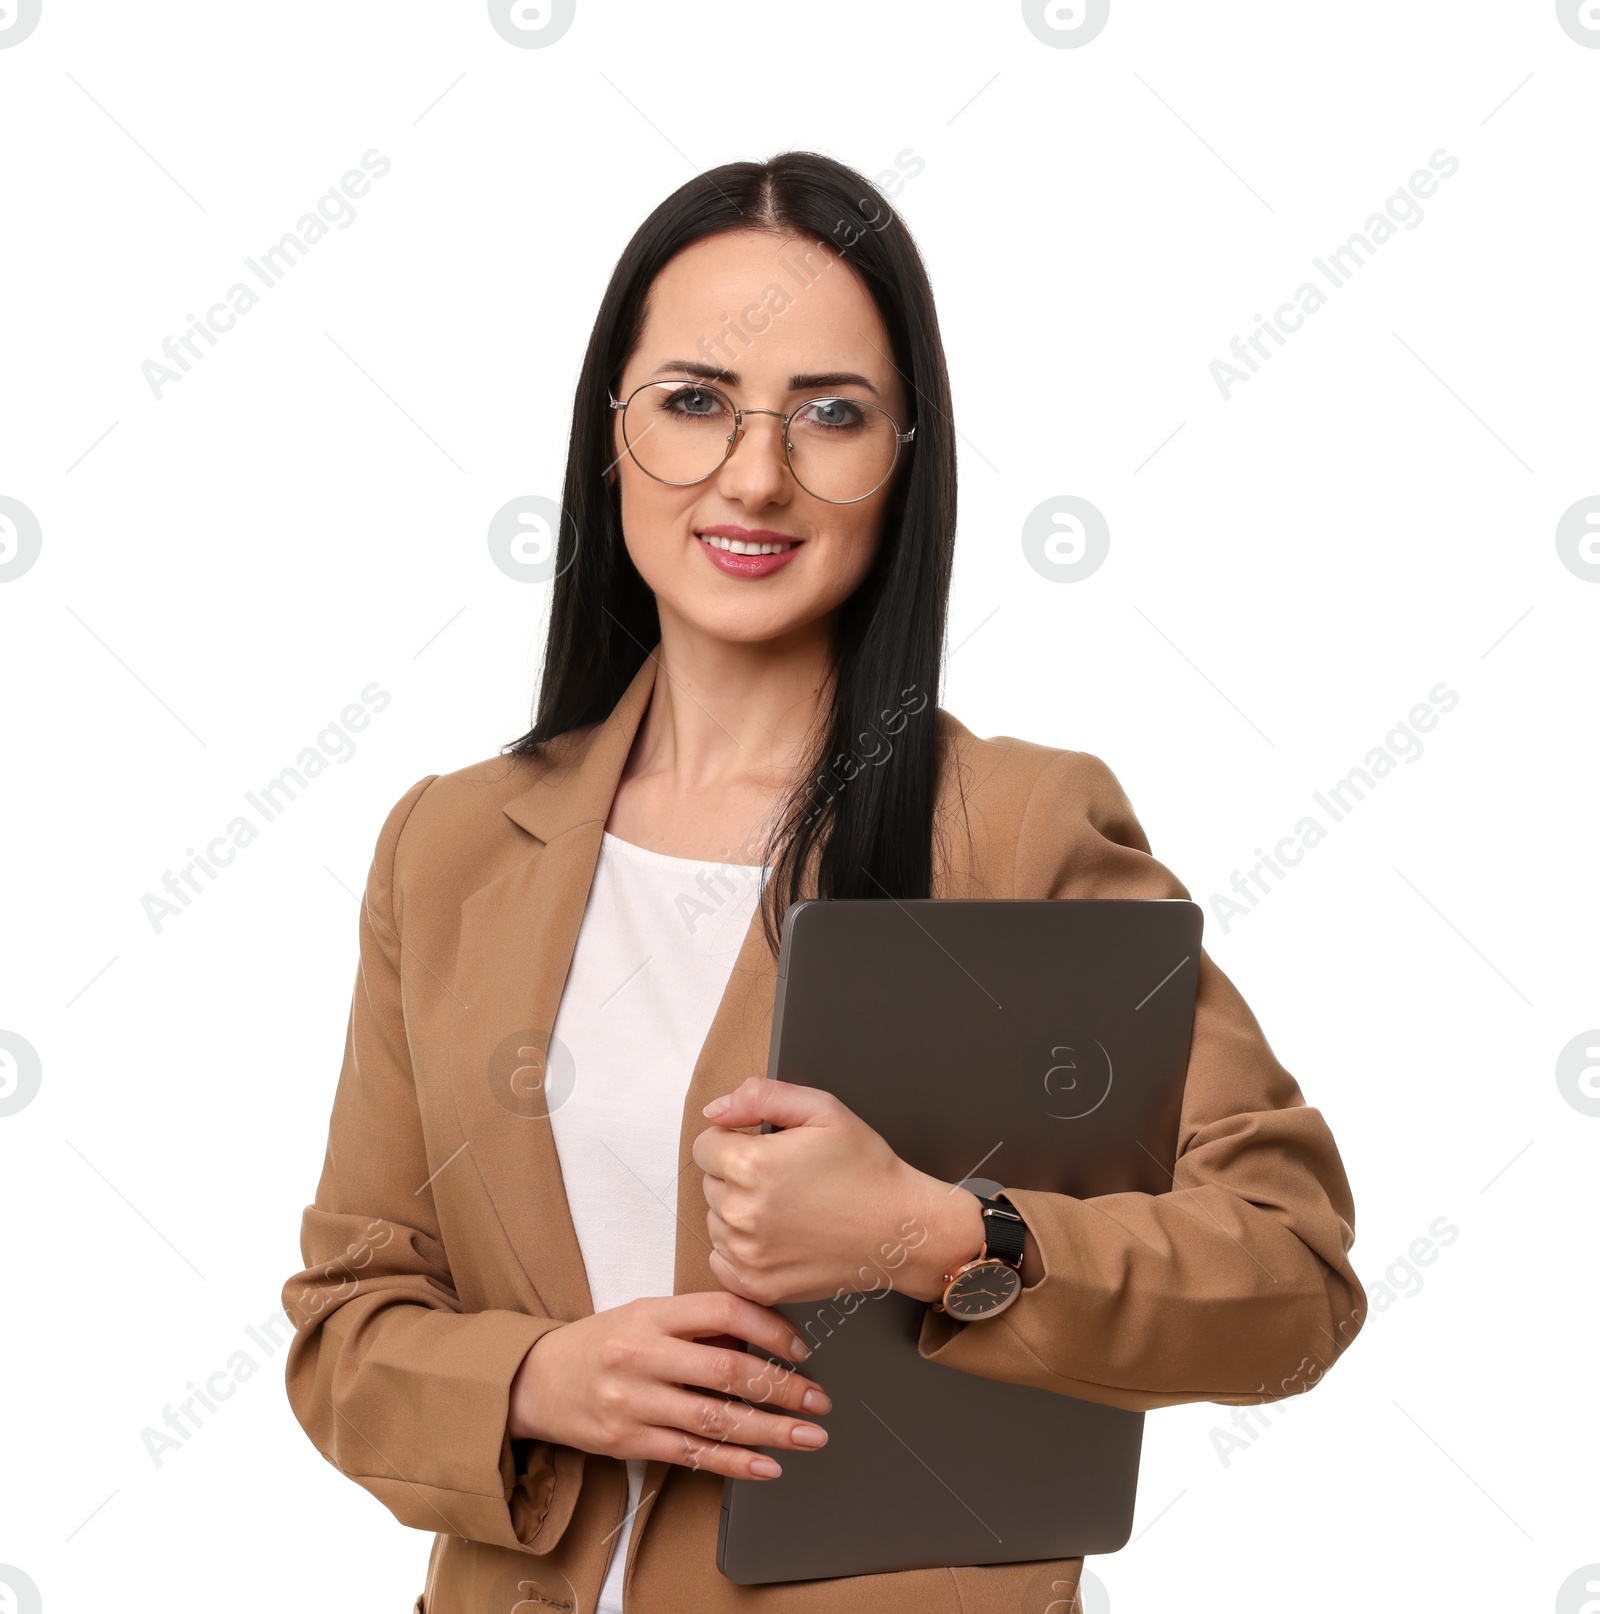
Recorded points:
(738, 546)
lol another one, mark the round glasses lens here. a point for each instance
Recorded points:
(841, 449)
(677, 431)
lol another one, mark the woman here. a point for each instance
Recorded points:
(546, 1224)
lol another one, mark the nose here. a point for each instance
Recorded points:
(756, 473)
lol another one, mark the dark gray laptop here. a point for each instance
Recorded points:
(1025, 1044)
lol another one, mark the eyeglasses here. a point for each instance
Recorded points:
(840, 450)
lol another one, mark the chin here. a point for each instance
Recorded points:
(743, 625)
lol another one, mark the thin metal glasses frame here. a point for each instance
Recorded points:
(735, 436)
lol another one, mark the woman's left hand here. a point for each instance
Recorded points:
(825, 1205)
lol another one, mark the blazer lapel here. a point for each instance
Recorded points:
(518, 933)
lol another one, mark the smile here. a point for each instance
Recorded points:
(747, 546)
(747, 551)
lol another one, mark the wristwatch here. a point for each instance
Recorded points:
(987, 1284)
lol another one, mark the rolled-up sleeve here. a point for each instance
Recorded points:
(1235, 1286)
(396, 1385)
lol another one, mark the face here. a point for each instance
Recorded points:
(815, 333)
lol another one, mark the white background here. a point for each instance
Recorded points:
(225, 569)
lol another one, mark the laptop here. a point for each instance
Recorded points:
(1021, 1043)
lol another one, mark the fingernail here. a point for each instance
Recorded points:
(715, 1107)
(764, 1468)
(815, 1401)
(807, 1434)
(798, 1349)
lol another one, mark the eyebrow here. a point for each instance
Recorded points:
(797, 383)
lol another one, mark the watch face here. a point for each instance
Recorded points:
(982, 1290)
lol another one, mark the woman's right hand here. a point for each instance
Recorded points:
(622, 1383)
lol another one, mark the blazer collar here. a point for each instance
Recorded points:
(581, 780)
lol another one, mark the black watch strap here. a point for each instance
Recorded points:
(1005, 1233)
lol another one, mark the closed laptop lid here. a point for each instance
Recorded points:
(1036, 1043)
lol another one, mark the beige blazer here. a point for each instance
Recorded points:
(440, 1246)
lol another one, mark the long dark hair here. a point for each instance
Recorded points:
(860, 820)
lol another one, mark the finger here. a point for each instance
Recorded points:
(727, 1340)
(759, 1099)
(737, 1275)
(736, 1372)
(724, 1268)
(717, 1229)
(711, 1149)
(715, 1311)
(733, 1423)
(715, 1190)
(720, 1237)
(714, 1457)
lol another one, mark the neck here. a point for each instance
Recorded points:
(728, 714)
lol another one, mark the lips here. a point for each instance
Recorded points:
(747, 551)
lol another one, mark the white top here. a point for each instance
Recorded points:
(658, 941)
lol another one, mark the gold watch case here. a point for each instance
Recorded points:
(979, 1289)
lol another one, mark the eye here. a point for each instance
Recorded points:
(694, 403)
(833, 414)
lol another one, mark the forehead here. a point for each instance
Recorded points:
(766, 306)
